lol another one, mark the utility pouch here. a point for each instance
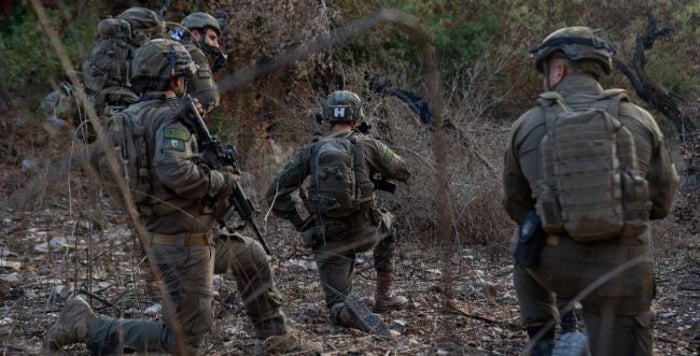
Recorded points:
(310, 237)
(531, 241)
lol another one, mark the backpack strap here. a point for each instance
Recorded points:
(363, 197)
(553, 105)
(609, 100)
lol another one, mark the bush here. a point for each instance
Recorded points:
(29, 60)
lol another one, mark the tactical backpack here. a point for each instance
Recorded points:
(106, 71)
(340, 184)
(591, 188)
(125, 138)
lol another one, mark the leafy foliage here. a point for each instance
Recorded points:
(29, 59)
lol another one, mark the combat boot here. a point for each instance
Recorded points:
(545, 343)
(384, 300)
(568, 322)
(73, 325)
(355, 314)
(287, 343)
(543, 348)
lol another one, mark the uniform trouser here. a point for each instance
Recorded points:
(187, 273)
(617, 314)
(336, 258)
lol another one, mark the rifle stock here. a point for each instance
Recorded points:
(216, 155)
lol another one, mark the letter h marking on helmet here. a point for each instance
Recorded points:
(339, 112)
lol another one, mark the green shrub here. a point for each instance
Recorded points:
(29, 60)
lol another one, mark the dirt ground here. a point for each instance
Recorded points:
(51, 252)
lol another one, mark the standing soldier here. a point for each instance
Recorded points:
(184, 240)
(199, 32)
(343, 217)
(584, 172)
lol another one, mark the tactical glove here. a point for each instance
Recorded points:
(222, 182)
(230, 181)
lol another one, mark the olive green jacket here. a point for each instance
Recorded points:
(181, 185)
(201, 85)
(522, 168)
(378, 158)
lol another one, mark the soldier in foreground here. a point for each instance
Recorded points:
(183, 231)
(584, 172)
(343, 217)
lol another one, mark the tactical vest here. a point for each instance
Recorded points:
(591, 187)
(201, 85)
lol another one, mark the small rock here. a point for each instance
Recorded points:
(235, 331)
(399, 325)
(153, 309)
(56, 244)
(10, 277)
(60, 293)
(30, 164)
(5, 252)
(5, 264)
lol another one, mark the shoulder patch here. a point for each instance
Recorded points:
(388, 154)
(176, 133)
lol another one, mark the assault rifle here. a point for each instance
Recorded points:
(216, 155)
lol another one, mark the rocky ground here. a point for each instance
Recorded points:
(58, 236)
(48, 254)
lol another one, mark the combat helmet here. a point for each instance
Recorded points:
(201, 20)
(157, 59)
(342, 106)
(577, 43)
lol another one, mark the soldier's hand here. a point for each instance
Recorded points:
(198, 105)
(230, 180)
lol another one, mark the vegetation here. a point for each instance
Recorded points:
(30, 65)
(487, 80)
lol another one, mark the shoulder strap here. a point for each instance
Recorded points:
(553, 104)
(364, 186)
(609, 100)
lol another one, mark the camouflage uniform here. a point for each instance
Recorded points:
(184, 241)
(201, 86)
(186, 249)
(370, 228)
(618, 314)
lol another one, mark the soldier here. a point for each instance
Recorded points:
(617, 314)
(199, 32)
(341, 202)
(182, 230)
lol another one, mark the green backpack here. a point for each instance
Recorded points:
(125, 138)
(340, 185)
(106, 71)
(591, 188)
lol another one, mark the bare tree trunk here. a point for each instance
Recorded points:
(666, 103)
